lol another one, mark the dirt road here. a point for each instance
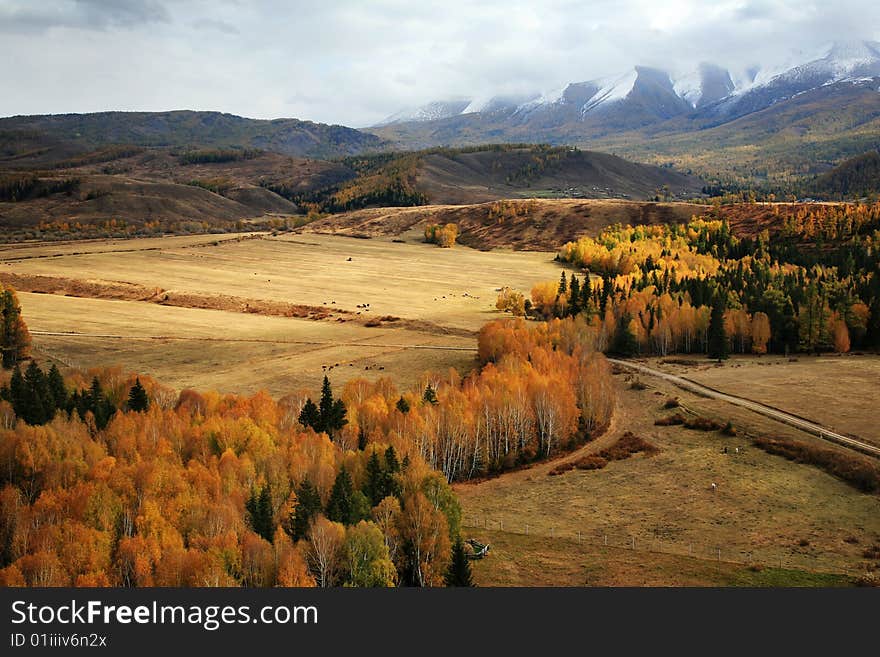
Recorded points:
(767, 411)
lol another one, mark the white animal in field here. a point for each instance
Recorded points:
(713, 487)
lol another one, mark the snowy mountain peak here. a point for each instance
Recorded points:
(704, 85)
(611, 89)
(438, 109)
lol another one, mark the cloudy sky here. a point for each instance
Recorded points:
(357, 61)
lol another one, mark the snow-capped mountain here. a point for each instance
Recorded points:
(438, 109)
(642, 98)
(706, 84)
(836, 63)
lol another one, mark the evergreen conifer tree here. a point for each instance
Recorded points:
(339, 506)
(137, 397)
(718, 343)
(308, 505)
(459, 571)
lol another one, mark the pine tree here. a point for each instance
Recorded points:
(57, 387)
(308, 505)
(563, 284)
(39, 405)
(403, 405)
(392, 467)
(339, 506)
(259, 508)
(605, 294)
(309, 416)
(362, 439)
(625, 343)
(137, 397)
(17, 392)
(718, 343)
(95, 401)
(430, 396)
(325, 405)
(574, 299)
(375, 486)
(337, 418)
(586, 303)
(459, 571)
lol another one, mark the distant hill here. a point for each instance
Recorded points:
(855, 178)
(35, 140)
(163, 188)
(485, 173)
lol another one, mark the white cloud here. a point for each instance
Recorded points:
(355, 62)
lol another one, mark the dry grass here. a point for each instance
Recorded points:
(228, 330)
(519, 560)
(810, 387)
(762, 507)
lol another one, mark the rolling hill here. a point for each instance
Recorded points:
(136, 186)
(857, 177)
(34, 141)
(485, 173)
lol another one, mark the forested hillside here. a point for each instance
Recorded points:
(814, 285)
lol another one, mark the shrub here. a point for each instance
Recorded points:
(702, 424)
(561, 468)
(591, 462)
(858, 471)
(627, 445)
(672, 402)
(729, 429)
(671, 420)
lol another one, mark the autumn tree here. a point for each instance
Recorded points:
(366, 557)
(509, 300)
(14, 339)
(325, 550)
(760, 332)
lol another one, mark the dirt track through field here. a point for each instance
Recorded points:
(767, 411)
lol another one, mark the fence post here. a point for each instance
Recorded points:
(551, 532)
(579, 535)
(527, 529)
(719, 554)
(634, 542)
(501, 525)
(606, 540)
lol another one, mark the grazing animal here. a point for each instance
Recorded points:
(714, 487)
